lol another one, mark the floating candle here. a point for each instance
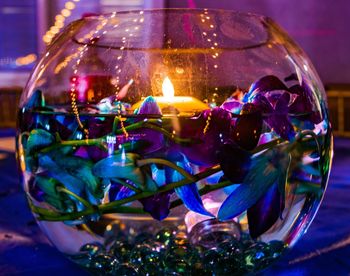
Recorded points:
(170, 104)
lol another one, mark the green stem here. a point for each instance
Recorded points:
(125, 184)
(267, 145)
(76, 143)
(166, 188)
(280, 141)
(116, 206)
(144, 162)
(150, 124)
(82, 200)
(100, 142)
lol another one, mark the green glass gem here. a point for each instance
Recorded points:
(121, 250)
(246, 243)
(180, 259)
(126, 270)
(143, 237)
(231, 249)
(152, 263)
(165, 236)
(104, 264)
(176, 267)
(198, 269)
(277, 248)
(92, 248)
(210, 258)
(139, 253)
(82, 259)
(157, 246)
(170, 272)
(257, 256)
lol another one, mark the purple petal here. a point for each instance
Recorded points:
(247, 130)
(282, 103)
(265, 84)
(96, 153)
(64, 125)
(303, 104)
(211, 132)
(268, 83)
(99, 127)
(158, 205)
(149, 106)
(35, 191)
(82, 152)
(232, 106)
(262, 104)
(118, 191)
(190, 197)
(279, 120)
(265, 212)
(256, 183)
(234, 162)
(281, 124)
(189, 193)
(155, 138)
(124, 192)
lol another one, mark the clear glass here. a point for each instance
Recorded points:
(174, 141)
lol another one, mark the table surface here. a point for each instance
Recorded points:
(324, 250)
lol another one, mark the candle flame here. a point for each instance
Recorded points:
(168, 89)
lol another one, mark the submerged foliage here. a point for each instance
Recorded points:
(251, 144)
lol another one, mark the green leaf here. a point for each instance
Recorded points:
(47, 185)
(82, 169)
(282, 181)
(31, 164)
(121, 166)
(61, 174)
(309, 188)
(52, 196)
(36, 100)
(310, 169)
(266, 169)
(38, 139)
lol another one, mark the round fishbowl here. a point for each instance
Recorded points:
(174, 142)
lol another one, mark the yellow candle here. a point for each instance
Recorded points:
(182, 104)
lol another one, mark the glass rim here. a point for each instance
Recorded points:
(246, 43)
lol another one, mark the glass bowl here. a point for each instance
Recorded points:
(174, 141)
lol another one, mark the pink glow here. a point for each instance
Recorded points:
(191, 4)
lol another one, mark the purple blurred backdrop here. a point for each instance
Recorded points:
(320, 27)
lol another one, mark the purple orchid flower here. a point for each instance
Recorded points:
(158, 206)
(247, 129)
(279, 120)
(303, 103)
(212, 129)
(261, 193)
(154, 139)
(271, 98)
(234, 162)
